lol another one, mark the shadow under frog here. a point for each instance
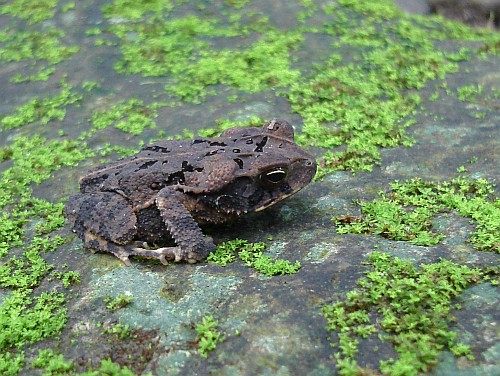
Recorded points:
(132, 206)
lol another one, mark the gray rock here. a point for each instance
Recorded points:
(414, 6)
(479, 13)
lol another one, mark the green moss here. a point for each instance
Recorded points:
(181, 47)
(253, 256)
(131, 116)
(25, 320)
(383, 9)
(93, 31)
(29, 269)
(247, 69)
(88, 86)
(469, 93)
(404, 305)
(405, 213)
(108, 367)
(68, 6)
(27, 316)
(10, 364)
(353, 104)
(118, 150)
(43, 110)
(461, 349)
(121, 301)
(226, 252)
(136, 9)
(162, 47)
(31, 11)
(52, 363)
(11, 233)
(492, 275)
(33, 161)
(388, 219)
(237, 4)
(43, 74)
(362, 106)
(119, 330)
(67, 278)
(34, 45)
(208, 335)
(211, 132)
(224, 124)
(42, 48)
(348, 100)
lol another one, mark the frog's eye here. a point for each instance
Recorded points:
(273, 176)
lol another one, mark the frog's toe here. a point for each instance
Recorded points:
(176, 254)
(125, 260)
(164, 255)
(190, 256)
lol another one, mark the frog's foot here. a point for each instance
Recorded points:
(119, 251)
(164, 254)
(176, 254)
(96, 243)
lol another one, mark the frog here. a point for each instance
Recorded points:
(153, 204)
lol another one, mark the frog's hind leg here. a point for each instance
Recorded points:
(104, 221)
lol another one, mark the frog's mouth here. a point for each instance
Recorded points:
(274, 200)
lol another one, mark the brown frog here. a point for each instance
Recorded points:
(131, 206)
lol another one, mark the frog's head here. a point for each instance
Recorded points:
(270, 167)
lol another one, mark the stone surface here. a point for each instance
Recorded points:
(271, 325)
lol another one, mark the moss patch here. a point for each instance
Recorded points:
(136, 9)
(406, 306)
(405, 213)
(208, 335)
(358, 101)
(28, 45)
(43, 49)
(43, 110)
(247, 69)
(28, 315)
(131, 116)
(52, 363)
(252, 254)
(354, 103)
(31, 11)
(121, 301)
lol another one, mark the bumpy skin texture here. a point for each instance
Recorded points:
(133, 206)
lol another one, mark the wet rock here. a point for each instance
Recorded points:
(414, 6)
(479, 13)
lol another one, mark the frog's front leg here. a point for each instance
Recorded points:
(192, 245)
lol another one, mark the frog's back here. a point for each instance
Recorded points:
(155, 161)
